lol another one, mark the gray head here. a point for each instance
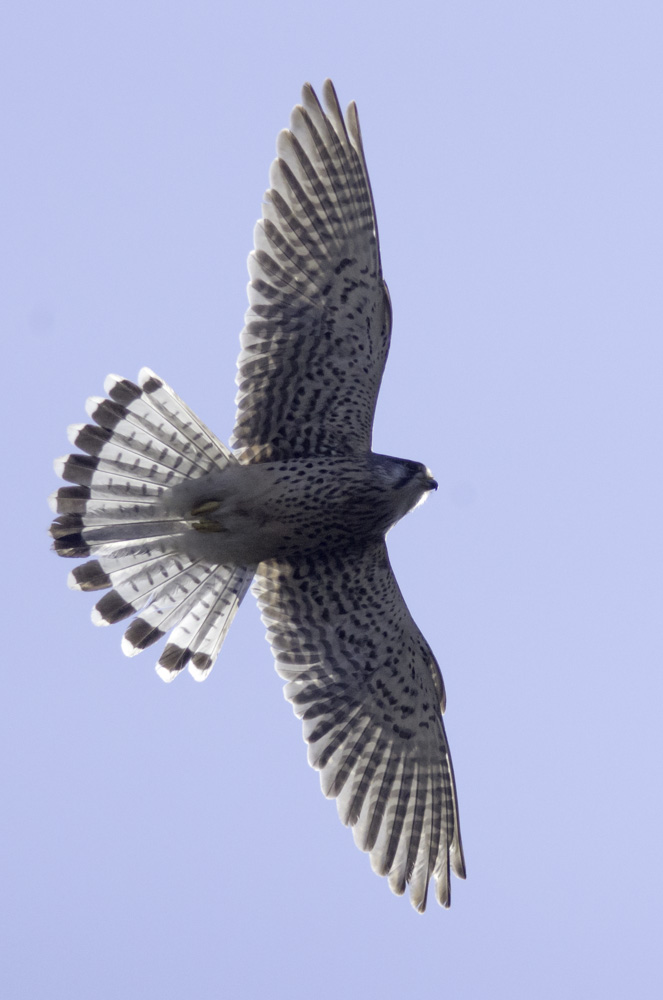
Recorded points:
(404, 482)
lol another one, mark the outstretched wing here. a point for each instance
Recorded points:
(365, 683)
(318, 325)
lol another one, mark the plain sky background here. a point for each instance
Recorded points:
(171, 841)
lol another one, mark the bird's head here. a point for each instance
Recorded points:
(406, 484)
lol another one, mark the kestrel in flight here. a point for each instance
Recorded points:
(178, 526)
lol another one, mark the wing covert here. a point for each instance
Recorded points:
(367, 687)
(318, 325)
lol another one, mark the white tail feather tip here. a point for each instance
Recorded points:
(92, 403)
(145, 374)
(128, 648)
(196, 673)
(98, 619)
(73, 430)
(110, 382)
(166, 675)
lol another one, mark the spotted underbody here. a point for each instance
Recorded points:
(246, 514)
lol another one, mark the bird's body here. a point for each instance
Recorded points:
(298, 507)
(178, 525)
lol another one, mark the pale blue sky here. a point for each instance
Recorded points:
(171, 841)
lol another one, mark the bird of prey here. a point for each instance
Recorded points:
(178, 525)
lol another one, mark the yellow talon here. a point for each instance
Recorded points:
(205, 507)
(207, 526)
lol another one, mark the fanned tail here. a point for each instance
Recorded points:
(145, 441)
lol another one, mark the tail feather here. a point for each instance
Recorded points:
(119, 557)
(163, 602)
(81, 500)
(97, 535)
(200, 614)
(202, 631)
(134, 448)
(117, 470)
(100, 511)
(146, 578)
(158, 397)
(144, 441)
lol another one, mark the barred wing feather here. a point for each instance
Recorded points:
(317, 330)
(369, 692)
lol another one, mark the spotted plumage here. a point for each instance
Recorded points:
(175, 526)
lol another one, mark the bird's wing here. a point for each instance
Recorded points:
(317, 330)
(367, 687)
